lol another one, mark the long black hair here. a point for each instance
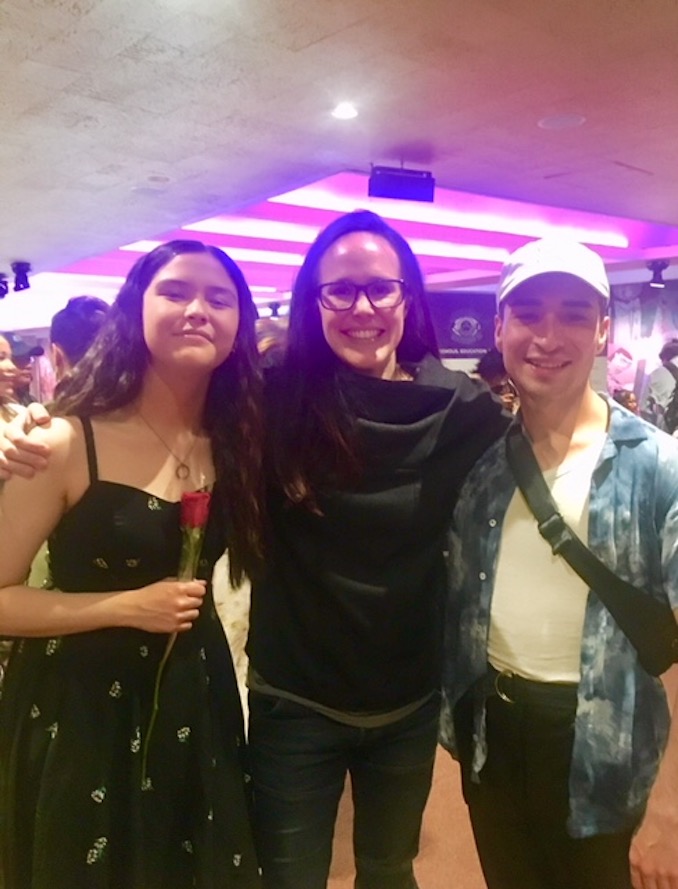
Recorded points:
(314, 442)
(111, 374)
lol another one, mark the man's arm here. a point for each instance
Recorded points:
(654, 851)
(20, 454)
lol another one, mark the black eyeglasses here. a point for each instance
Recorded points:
(383, 293)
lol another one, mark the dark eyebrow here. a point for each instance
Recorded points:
(186, 285)
(173, 282)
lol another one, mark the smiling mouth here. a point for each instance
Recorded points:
(546, 365)
(363, 333)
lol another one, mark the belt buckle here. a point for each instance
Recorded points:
(507, 674)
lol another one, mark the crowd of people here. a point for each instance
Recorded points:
(401, 591)
(657, 399)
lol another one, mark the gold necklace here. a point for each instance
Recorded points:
(182, 470)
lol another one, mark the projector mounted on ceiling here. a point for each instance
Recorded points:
(402, 184)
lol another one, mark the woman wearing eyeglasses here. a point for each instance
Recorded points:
(370, 438)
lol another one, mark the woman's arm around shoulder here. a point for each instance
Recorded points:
(29, 511)
(21, 453)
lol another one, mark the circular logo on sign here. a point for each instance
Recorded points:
(466, 329)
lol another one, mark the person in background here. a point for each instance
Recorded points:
(627, 398)
(569, 757)
(661, 385)
(233, 603)
(166, 402)
(620, 369)
(22, 356)
(271, 340)
(490, 368)
(73, 330)
(8, 406)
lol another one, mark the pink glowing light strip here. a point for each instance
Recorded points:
(529, 225)
(447, 250)
(265, 229)
(287, 231)
(271, 230)
(239, 254)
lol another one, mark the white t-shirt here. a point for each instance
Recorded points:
(539, 601)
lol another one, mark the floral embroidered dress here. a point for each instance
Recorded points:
(74, 811)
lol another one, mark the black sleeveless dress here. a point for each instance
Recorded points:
(74, 714)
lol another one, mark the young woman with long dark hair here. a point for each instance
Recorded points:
(166, 402)
(8, 408)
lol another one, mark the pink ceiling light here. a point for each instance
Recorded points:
(454, 209)
(239, 254)
(264, 229)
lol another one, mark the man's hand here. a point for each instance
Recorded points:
(654, 850)
(19, 454)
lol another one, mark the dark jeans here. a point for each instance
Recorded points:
(520, 807)
(299, 763)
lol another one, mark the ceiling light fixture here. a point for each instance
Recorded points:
(450, 250)
(141, 246)
(401, 184)
(345, 111)
(657, 266)
(261, 229)
(21, 270)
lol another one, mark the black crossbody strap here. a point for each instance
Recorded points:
(648, 623)
(673, 370)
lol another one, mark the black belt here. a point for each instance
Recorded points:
(514, 689)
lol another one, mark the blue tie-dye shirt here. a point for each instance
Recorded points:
(622, 717)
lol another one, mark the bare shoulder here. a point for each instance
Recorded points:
(66, 442)
(60, 435)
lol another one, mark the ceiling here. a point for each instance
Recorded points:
(124, 121)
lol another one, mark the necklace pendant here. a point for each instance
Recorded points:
(182, 471)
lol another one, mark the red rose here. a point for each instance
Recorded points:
(195, 508)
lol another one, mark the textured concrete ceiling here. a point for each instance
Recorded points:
(124, 118)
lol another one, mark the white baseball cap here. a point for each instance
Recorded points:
(553, 255)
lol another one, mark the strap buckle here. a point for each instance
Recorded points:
(556, 533)
(504, 695)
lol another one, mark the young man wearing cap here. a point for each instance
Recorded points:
(559, 730)
(22, 357)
